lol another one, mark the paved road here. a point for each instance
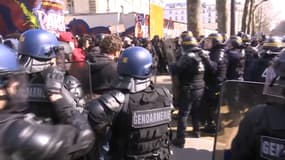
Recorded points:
(195, 148)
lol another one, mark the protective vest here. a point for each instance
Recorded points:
(141, 129)
(192, 71)
(272, 140)
(38, 99)
(236, 64)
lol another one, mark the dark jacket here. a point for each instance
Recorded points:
(103, 72)
(261, 134)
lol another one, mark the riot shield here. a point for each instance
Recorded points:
(237, 97)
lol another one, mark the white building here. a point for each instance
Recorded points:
(120, 14)
(178, 12)
(75, 7)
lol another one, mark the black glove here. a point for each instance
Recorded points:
(54, 80)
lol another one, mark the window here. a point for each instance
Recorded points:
(170, 11)
(182, 18)
(182, 12)
(69, 7)
(176, 18)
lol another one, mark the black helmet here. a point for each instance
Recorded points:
(234, 42)
(246, 38)
(214, 40)
(189, 42)
(186, 33)
(273, 44)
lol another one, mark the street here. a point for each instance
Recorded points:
(195, 148)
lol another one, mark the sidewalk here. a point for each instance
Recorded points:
(195, 148)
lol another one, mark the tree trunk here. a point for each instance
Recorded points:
(245, 16)
(194, 17)
(252, 2)
(222, 16)
(233, 17)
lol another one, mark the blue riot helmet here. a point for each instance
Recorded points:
(38, 43)
(11, 71)
(36, 49)
(12, 43)
(135, 62)
(8, 60)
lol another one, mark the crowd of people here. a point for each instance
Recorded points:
(92, 97)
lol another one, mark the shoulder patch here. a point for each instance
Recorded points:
(272, 148)
(113, 100)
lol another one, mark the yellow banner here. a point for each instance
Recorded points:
(156, 20)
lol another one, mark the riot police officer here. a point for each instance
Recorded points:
(215, 74)
(271, 48)
(261, 132)
(178, 52)
(39, 51)
(24, 136)
(138, 112)
(236, 58)
(251, 55)
(190, 73)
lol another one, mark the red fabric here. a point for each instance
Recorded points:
(78, 55)
(66, 37)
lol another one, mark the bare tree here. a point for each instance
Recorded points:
(245, 16)
(253, 15)
(222, 16)
(194, 17)
(252, 2)
(233, 17)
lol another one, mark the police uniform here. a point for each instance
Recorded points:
(37, 48)
(215, 74)
(261, 134)
(236, 62)
(190, 72)
(25, 136)
(257, 70)
(40, 104)
(137, 112)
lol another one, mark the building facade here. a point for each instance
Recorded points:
(77, 7)
(178, 12)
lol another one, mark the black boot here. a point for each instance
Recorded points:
(179, 142)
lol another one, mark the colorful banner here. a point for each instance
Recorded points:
(21, 15)
(156, 19)
(50, 15)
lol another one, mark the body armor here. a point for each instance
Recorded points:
(139, 120)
